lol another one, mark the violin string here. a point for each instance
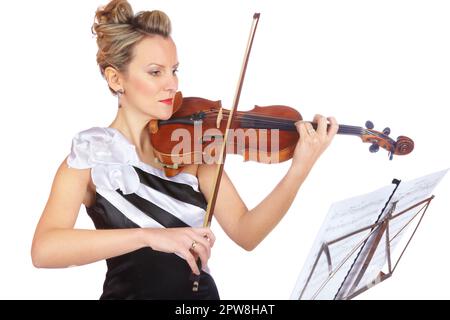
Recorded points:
(285, 124)
(247, 114)
(253, 119)
(261, 119)
(290, 126)
(277, 121)
(262, 125)
(258, 116)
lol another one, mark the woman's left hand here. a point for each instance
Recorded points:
(312, 143)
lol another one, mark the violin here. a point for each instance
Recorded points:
(264, 134)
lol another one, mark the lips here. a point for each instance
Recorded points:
(169, 102)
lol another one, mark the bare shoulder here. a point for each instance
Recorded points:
(69, 190)
(78, 180)
(67, 178)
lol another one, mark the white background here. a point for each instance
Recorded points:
(387, 61)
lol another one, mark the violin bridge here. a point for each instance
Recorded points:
(167, 166)
(219, 118)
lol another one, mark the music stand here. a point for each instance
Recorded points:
(350, 253)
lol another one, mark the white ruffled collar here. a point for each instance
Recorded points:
(112, 157)
(98, 146)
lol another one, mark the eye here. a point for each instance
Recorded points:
(155, 73)
(175, 71)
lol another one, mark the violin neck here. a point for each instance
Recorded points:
(266, 123)
(290, 126)
(345, 129)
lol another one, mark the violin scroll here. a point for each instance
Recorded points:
(402, 146)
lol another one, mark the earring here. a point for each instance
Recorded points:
(119, 93)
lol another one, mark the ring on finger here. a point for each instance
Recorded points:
(193, 245)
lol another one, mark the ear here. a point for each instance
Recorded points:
(114, 79)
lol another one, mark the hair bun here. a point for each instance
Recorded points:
(117, 11)
(153, 22)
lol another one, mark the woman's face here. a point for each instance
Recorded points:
(151, 81)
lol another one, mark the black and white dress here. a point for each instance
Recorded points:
(132, 194)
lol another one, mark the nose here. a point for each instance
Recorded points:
(172, 83)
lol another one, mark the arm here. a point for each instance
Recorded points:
(57, 244)
(249, 227)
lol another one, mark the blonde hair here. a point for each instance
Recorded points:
(118, 30)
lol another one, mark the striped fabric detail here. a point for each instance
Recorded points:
(106, 216)
(128, 210)
(159, 202)
(179, 191)
(182, 177)
(188, 213)
(161, 216)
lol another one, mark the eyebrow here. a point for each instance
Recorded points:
(163, 66)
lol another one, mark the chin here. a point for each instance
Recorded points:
(165, 115)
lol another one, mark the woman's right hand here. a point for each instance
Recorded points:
(189, 243)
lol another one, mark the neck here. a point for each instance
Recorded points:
(133, 127)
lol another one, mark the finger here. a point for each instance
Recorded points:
(334, 127)
(316, 119)
(211, 238)
(201, 241)
(208, 235)
(200, 246)
(310, 129)
(202, 252)
(301, 129)
(321, 125)
(191, 261)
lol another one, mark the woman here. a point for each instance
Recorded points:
(147, 224)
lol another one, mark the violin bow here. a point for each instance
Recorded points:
(222, 153)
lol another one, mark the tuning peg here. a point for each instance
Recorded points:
(369, 124)
(374, 148)
(387, 131)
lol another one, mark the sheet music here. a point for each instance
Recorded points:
(411, 192)
(343, 217)
(348, 216)
(407, 194)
